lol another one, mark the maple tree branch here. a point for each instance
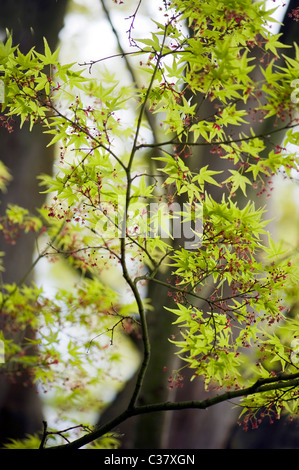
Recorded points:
(260, 386)
(173, 141)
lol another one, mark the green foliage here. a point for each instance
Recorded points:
(30, 442)
(230, 292)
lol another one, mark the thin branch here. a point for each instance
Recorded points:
(173, 141)
(122, 319)
(178, 289)
(61, 433)
(113, 56)
(86, 132)
(33, 265)
(148, 115)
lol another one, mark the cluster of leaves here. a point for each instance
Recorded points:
(229, 292)
(232, 319)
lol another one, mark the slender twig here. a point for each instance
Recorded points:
(122, 319)
(113, 56)
(86, 132)
(31, 268)
(61, 433)
(173, 141)
(148, 115)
